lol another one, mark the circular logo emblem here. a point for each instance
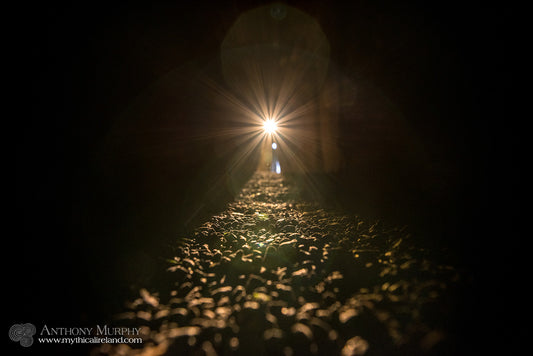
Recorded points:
(22, 333)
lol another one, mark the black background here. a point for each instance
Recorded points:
(450, 67)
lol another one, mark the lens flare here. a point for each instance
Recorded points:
(270, 126)
(274, 61)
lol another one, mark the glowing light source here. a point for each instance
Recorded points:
(274, 145)
(270, 126)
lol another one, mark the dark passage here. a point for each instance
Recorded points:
(140, 190)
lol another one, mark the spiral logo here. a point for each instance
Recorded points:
(22, 333)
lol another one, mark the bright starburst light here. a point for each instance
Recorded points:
(274, 68)
(270, 126)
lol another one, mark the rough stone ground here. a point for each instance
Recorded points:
(275, 275)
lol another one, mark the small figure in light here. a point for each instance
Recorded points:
(276, 167)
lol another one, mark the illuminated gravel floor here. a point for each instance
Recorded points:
(274, 275)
